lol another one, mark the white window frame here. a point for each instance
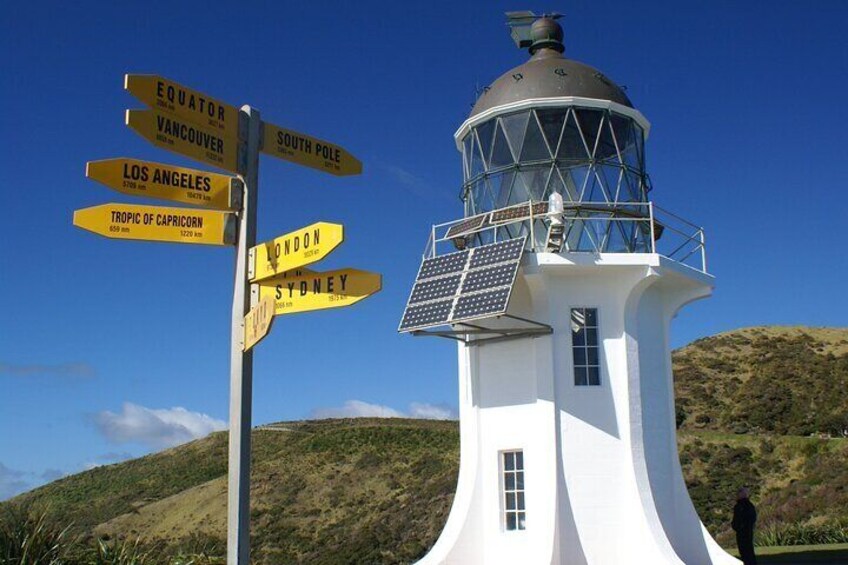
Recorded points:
(511, 494)
(578, 350)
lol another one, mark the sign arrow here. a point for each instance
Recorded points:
(309, 151)
(306, 290)
(181, 136)
(155, 180)
(156, 223)
(160, 93)
(295, 249)
(257, 322)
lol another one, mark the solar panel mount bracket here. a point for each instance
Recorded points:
(468, 335)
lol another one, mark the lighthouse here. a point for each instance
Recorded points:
(558, 283)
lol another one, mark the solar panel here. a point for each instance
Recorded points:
(497, 253)
(468, 225)
(518, 212)
(426, 315)
(481, 304)
(443, 264)
(435, 288)
(489, 277)
(471, 284)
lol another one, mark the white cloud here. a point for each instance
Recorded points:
(360, 409)
(155, 427)
(11, 482)
(431, 412)
(356, 409)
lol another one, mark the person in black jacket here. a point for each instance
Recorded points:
(744, 518)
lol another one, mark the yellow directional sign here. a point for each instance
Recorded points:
(296, 249)
(257, 322)
(309, 151)
(186, 138)
(155, 180)
(155, 223)
(306, 290)
(162, 94)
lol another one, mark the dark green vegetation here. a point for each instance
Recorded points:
(768, 408)
(772, 380)
(379, 491)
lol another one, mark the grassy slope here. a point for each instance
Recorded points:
(332, 491)
(379, 490)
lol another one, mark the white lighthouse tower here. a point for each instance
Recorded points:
(560, 283)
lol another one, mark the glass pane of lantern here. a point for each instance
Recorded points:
(535, 181)
(485, 133)
(622, 130)
(639, 138)
(502, 184)
(476, 160)
(551, 120)
(556, 184)
(575, 181)
(515, 126)
(571, 146)
(589, 122)
(574, 230)
(534, 147)
(606, 149)
(482, 195)
(610, 177)
(501, 153)
(519, 188)
(466, 155)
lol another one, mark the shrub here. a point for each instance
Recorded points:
(27, 537)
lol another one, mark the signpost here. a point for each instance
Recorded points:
(194, 125)
(309, 151)
(157, 223)
(306, 290)
(295, 249)
(258, 321)
(162, 94)
(185, 137)
(155, 180)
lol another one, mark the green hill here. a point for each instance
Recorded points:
(379, 490)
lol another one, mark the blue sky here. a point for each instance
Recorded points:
(111, 349)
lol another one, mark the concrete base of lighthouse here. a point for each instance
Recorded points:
(602, 478)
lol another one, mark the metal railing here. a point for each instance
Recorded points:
(664, 232)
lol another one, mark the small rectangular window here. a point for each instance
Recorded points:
(513, 490)
(584, 346)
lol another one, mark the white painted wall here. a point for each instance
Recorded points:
(602, 475)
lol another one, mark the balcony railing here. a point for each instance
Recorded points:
(657, 230)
